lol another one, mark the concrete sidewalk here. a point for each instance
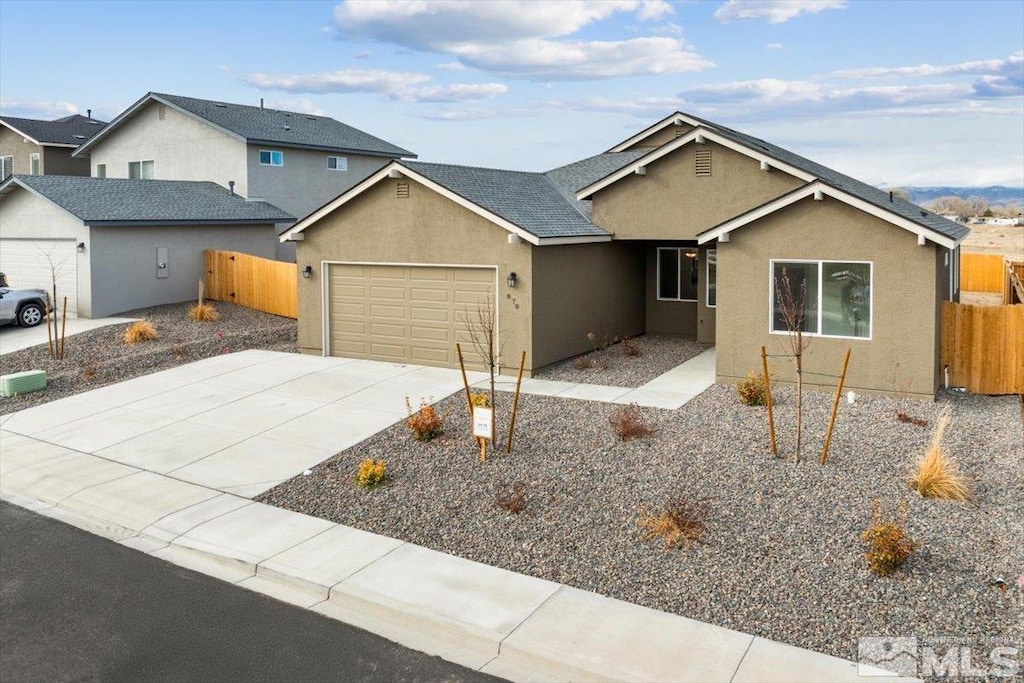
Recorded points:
(14, 338)
(166, 464)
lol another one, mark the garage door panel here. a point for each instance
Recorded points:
(406, 314)
(27, 264)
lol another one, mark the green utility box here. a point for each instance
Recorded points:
(22, 382)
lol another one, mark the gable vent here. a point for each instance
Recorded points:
(402, 189)
(219, 105)
(702, 162)
(161, 112)
(680, 132)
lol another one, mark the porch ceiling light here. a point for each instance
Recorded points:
(307, 272)
(511, 279)
(690, 253)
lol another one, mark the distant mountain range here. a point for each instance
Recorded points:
(995, 194)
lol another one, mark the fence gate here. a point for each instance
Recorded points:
(262, 284)
(983, 346)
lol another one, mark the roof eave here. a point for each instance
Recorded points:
(179, 222)
(326, 148)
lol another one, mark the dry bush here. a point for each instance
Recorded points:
(752, 391)
(889, 545)
(601, 365)
(204, 313)
(680, 523)
(628, 422)
(630, 347)
(425, 424)
(512, 498)
(139, 331)
(89, 369)
(904, 417)
(582, 363)
(178, 351)
(937, 475)
(371, 473)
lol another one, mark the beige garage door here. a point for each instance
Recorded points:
(405, 314)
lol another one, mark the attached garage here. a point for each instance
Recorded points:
(404, 314)
(31, 263)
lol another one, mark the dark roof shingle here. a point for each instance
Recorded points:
(257, 124)
(114, 200)
(70, 130)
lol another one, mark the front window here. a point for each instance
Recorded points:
(712, 277)
(337, 163)
(33, 164)
(140, 170)
(677, 273)
(271, 157)
(827, 298)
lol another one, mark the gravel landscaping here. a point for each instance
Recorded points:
(613, 366)
(99, 357)
(781, 556)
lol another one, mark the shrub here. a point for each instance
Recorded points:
(178, 351)
(139, 331)
(751, 390)
(425, 424)
(89, 369)
(937, 475)
(513, 498)
(204, 313)
(904, 417)
(480, 399)
(371, 473)
(681, 522)
(630, 347)
(628, 422)
(889, 545)
(582, 363)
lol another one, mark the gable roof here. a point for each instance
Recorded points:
(258, 125)
(530, 205)
(578, 174)
(673, 119)
(115, 201)
(794, 164)
(70, 131)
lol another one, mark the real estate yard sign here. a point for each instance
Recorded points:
(483, 427)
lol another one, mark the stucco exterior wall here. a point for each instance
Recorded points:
(584, 288)
(181, 147)
(124, 261)
(671, 203)
(666, 317)
(904, 301)
(659, 138)
(380, 227)
(706, 315)
(304, 183)
(14, 145)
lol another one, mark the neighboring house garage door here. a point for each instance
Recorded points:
(405, 314)
(33, 263)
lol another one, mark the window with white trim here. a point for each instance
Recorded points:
(827, 298)
(33, 164)
(101, 170)
(271, 157)
(141, 170)
(677, 273)
(711, 278)
(6, 167)
(337, 163)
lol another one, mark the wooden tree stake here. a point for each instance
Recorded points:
(515, 403)
(835, 407)
(49, 330)
(465, 382)
(63, 327)
(768, 401)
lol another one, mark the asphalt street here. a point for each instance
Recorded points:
(74, 606)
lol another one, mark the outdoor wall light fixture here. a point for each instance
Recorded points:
(80, 247)
(307, 272)
(511, 279)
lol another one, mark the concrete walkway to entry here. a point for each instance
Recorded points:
(14, 338)
(168, 463)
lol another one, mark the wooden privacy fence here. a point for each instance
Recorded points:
(263, 284)
(982, 272)
(983, 346)
(1013, 283)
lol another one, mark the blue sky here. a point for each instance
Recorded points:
(904, 93)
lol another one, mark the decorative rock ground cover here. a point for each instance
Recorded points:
(612, 366)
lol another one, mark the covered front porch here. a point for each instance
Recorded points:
(680, 289)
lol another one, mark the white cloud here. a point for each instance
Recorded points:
(774, 11)
(641, 107)
(451, 66)
(402, 86)
(302, 105)
(776, 46)
(523, 39)
(1013, 63)
(37, 109)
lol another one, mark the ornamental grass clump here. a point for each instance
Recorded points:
(202, 311)
(139, 331)
(371, 473)
(889, 544)
(680, 523)
(424, 423)
(937, 474)
(751, 390)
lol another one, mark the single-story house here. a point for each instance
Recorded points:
(115, 245)
(685, 228)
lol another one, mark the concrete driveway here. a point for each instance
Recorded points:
(240, 423)
(14, 338)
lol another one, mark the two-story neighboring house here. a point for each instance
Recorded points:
(292, 160)
(39, 147)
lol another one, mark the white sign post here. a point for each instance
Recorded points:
(483, 427)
